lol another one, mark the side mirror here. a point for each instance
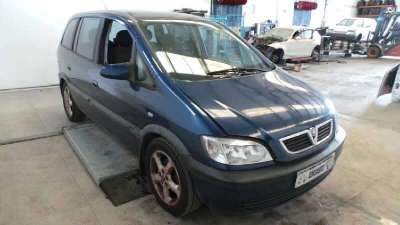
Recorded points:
(116, 71)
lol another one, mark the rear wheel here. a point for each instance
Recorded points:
(374, 52)
(169, 181)
(72, 111)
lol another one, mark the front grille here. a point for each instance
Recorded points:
(298, 143)
(324, 131)
(306, 139)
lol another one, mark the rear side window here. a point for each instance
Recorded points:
(87, 37)
(69, 34)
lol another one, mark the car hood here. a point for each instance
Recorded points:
(268, 40)
(272, 104)
(342, 28)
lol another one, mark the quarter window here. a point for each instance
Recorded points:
(142, 72)
(87, 37)
(69, 34)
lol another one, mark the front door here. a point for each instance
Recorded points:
(301, 45)
(120, 102)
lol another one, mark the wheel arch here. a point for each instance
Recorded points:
(279, 50)
(62, 82)
(152, 131)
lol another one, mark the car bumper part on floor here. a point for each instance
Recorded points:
(248, 191)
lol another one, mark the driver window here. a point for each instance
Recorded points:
(301, 35)
(307, 34)
(296, 35)
(119, 44)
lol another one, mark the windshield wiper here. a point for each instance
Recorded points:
(236, 71)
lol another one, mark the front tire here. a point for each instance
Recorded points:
(168, 180)
(316, 54)
(277, 57)
(72, 111)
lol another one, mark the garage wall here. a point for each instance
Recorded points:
(282, 11)
(31, 30)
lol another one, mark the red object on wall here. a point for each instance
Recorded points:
(305, 5)
(232, 2)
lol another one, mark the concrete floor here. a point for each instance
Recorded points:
(43, 182)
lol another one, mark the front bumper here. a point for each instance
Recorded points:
(241, 191)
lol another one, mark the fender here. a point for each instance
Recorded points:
(182, 151)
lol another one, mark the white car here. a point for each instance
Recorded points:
(391, 84)
(359, 27)
(289, 43)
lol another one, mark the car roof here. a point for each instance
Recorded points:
(143, 15)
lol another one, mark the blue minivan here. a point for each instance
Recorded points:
(211, 120)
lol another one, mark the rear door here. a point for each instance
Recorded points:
(83, 66)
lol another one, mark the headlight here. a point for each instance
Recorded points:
(330, 106)
(235, 151)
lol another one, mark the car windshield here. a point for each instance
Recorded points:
(191, 50)
(346, 22)
(279, 33)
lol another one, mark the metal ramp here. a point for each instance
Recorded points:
(112, 167)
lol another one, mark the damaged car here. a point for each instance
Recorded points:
(210, 119)
(391, 84)
(280, 44)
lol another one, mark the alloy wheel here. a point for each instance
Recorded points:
(165, 178)
(67, 101)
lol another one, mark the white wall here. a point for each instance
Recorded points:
(256, 11)
(337, 10)
(282, 11)
(31, 30)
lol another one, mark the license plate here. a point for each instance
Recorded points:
(306, 175)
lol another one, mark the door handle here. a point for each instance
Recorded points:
(397, 85)
(95, 84)
(69, 68)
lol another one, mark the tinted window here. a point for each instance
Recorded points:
(87, 37)
(119, 44)
(69, 34)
